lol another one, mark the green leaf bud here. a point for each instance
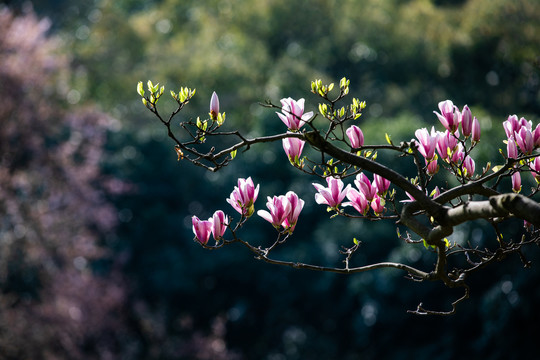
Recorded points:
(140, 89)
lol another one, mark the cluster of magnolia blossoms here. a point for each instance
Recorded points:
(520, 134)
(284, 211)
(366, 195)
(521, 138)
(447, 143)
(216, 225)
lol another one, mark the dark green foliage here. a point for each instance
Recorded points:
(402, 58)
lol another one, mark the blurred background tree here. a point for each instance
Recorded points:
(75, 134)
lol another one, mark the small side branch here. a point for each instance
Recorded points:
(415, 273)
(420, 310)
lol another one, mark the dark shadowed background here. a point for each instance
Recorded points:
(96, 253)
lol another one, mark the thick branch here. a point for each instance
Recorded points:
(497, 206)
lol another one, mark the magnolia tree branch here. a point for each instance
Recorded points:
(341, 154)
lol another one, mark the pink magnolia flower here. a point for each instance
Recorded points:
(511, 125)
(536, 136)
(535, 168)
(297, 205)
(428, 142)
(292, 113)
(436, 192)
(219, 223)
(201, 229)
(446, 143)
(411, 198)
(458, 154)
(333, 195)
(279, 207)
(516, 182)
(243, 197)
(468, 166)
(511, 148)
(525, 123)
(214, 106)
(432, 167)
(293, 148)
(357, 200)
(449, 116)
(466, 121)
(524, 139)
(365, 186)
(476, 130)
(381, 183)
(377, 204)
(356, 136)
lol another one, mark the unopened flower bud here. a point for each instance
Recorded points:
(214, 106)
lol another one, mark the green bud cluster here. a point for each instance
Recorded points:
(184, 95)
(318, 88)
(155, 93)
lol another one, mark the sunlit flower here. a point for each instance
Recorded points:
(332, 195)
(243, 196)
(458, 154)
(525, 123)
(292, 113)
(365, 186)
(297, 205)
(432, 168)
(427, 142)
(446, 143)
(279, 207)
(377, 204)
(293, 148)
(201, 229)
(535, 168)
(536, 136)
(511, 148)
(466, 121)
(468, 166)
(381, 183)
(356, 136)
(449, 116)
(511, 125)
(219, 224)
(516, 182)
(476, 130)
(357, 200)
(524, 139)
